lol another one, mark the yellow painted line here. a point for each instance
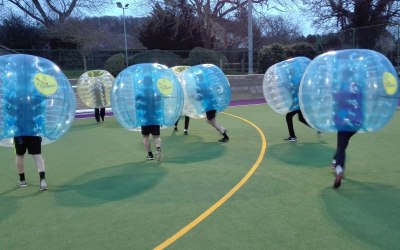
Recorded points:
(228, 195)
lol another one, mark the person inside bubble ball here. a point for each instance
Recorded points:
(99, 93)
(99, 113)
(206, 96)
(32, 144)
(296, 110)
(211, 114)
(27, 109)
(185, 130)
(148, 105)
(289, 121)
(348, 120)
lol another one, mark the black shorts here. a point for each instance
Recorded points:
(211, 114)
(151, 129)
(32, 143)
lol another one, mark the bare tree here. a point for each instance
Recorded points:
(279, 29)
(50, 12)
(86, 36)
(344, 14)
(210, 12)
(353, 16)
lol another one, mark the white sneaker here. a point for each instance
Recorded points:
(22, 184)
(43, 185)
(338, 178)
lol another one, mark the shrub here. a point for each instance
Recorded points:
(201, 56)
(271, 55)
(115, 64)
(302, 49)
(157, 56)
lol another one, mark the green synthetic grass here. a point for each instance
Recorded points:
(104, 195)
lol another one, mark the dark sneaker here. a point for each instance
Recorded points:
(291, 138)
(43, 185)
(175, 128)
(22, 184)
(159, 155)
(150, 157)
(185, 133)
(224, 139)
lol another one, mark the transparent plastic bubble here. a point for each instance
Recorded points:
(206, 88)
(146, 94)
(281, 84)
(36, 99)
(349, 90)
(178, 72)
(94, 88)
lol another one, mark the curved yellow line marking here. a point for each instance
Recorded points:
(228, 195)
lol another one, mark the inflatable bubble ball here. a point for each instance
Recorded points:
(178, 71)
(36, 99)
(349, 90)
(206, 88)
(146, 94)
(94, 88)
(281, 84)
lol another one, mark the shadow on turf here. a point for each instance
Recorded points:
(183, 149)
(315, 155)
(11, 200)
(368, 211)
(109, 184)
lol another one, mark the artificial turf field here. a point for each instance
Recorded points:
(245, 194)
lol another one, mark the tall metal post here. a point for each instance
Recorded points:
(119, 4)
(250, 35)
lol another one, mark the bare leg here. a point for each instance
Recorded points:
(146, 143)
(157, 141)
(20, 164)
(218, 127)
(39, 162)
(19, 159)
(41, 170)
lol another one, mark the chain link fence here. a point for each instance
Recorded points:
(381, 38)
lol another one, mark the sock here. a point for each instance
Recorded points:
(339, 169)
(22, 177)
(42, 175)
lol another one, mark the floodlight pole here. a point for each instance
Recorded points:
(250, 35)
(119, 5)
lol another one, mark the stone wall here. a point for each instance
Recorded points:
(244, 87)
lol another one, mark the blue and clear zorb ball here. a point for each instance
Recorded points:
(94, 88)
(206, 88)
(349, 90)
(281, 84)
(178, 72)
(36, 99)
(146, 94)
